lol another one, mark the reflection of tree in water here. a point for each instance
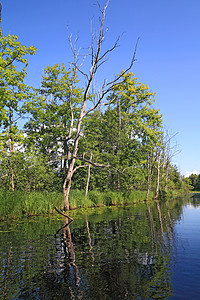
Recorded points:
(5, 287)
(71, 270)
(196, 199)
(129, 259)
(121, 253)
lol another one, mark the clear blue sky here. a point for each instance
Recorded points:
(168, 55)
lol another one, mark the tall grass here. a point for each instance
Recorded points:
(18, 204)
(77, 200)
(135, 196)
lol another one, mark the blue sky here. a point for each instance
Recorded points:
(168, 55)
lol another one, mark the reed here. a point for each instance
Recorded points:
(77, 200)
(135, 196)
(18, 204)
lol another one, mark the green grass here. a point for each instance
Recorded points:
(18, 204)
(77, 200)
(137, 196)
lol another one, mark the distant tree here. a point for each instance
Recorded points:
(194, 180)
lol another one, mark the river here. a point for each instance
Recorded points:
(147, 251)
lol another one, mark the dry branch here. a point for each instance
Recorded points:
(60, 212)
(95, 164)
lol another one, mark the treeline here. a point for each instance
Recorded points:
(194, 181)
(66, 135)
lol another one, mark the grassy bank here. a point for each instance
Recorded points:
(18, 204)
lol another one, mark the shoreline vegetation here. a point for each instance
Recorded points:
(74, 133)
(19, 204)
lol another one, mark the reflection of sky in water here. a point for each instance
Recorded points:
(118, 253)
(186, 270)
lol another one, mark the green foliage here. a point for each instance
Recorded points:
(117, 138)
(31, 173)
(194, 181)
(13, 92)
(13, 63)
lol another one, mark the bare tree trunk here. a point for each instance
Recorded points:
(152, 226)
(150, 173)
(66, 189)
(88, 177)
(158, 176)
(119, 142)
(148, 190)
(11, 147)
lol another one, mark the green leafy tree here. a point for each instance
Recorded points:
(13, 92)
(50, 116)
(135, 127)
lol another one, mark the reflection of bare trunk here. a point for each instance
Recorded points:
(7, 273)
(168, 231)
(90, 242)
(152, 225)
(171, 227)
(71, 256)
(160, 218)
(88, 177)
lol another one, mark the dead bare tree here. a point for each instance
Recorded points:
(165, 153)
(97, 58)
(158, 174)
(88, 177)
(151, 159)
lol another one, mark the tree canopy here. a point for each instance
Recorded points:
(67, 135)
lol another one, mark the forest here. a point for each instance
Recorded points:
(67, 136)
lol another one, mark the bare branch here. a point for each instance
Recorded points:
(76, 54)
(115, 81)
(60, 212)
(10, 63)
(6, 175)
(63, 227)
(105, 7)
(107, 87)
(111, 49)
(78, 167)
(95, 164)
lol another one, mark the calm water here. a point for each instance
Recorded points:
(149, 251)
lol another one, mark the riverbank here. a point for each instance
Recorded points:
(18, 204)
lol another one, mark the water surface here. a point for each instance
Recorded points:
(148, 251)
